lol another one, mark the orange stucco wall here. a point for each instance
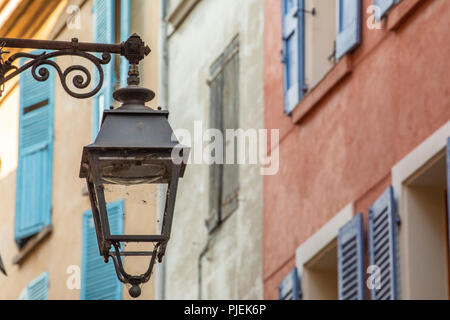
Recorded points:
(397, 94)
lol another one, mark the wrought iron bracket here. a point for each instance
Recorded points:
(124, 277)
(133, 49)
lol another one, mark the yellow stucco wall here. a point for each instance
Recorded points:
(72, 123)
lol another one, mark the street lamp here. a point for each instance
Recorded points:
(135, 144)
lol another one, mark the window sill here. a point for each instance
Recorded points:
(331, 79)
(180, 13)
(401, 12)
(32, 244)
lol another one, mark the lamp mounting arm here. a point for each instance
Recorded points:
(133, 49)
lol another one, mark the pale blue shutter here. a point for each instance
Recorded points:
(293, 52)
(383, 7)
(34, 171)
(124, 34)
(348, 26)
(290, 288)
(104, 21)
(98, 279)
(382, 244)
(351, 260)
(36, 289)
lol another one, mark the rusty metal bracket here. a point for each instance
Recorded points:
(134, 50)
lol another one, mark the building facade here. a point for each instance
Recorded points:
(213, 78)
(49, 246)
(358, 209)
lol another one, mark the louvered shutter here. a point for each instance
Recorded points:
(293, 52)
(382, 7)
(215, 169)
(103, 25)
(124, 34)
(348, 26)
(230, 118)
(351, 260)
(290, 287)
(36, 289)
(98, 279)
(34, 172)
(382, 244)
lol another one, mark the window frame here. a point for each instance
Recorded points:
(401, 172)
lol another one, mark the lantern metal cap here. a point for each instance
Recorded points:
(134, 128)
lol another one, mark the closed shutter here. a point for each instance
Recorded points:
(382, 7)
(290, 287)
(34, 172)
(293, 52)
(215, 169)
(230, 118)
(36, 289)
(224, 114)
(351, 260)
(382, 244)
(98, 279)
(103, 28)
(348, 26)
(124, 34)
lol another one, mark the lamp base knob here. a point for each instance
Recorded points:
(135, 291)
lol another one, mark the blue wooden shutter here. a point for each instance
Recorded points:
(289, 288)
(383, 7)
(34, 172)
(104, 21)
(382, 244)
(351, 260)
(98, 279)
(348, 26)
(124, 34)
(36, 289)
(293, 52)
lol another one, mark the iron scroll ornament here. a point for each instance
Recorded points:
(41, 73)
(133, 49)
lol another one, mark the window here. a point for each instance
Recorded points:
(337, 270)
(312, 45)
(426, 228)
(320, 275)
(330, 261)
(98, 279)
(107, 14)
(421, 183)
(36, 289)
(320, 37)
(34, 172)
(224, 114)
